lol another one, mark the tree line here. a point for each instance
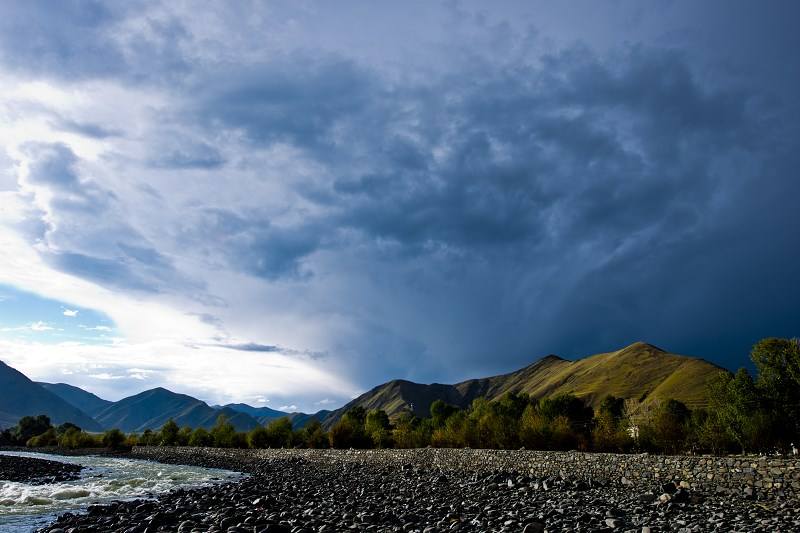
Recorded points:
(745, 414)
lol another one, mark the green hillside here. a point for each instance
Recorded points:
(640, 371)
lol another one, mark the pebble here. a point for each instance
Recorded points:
(298, 495)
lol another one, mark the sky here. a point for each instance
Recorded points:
(287, 203)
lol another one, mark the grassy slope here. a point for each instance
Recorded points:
(639, 371)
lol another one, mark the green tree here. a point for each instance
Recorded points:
(223, 434)
(343, 434)
(201, 437)
(169, 433)
(30, 426)
(778, 384)
(669, 426)
(48, 438)
(113, 439)
(534, 429)
(314, 436)
(279, 433)
(183, 436)
(258, 437)
(148, 438)
(441, 411)
(733, 400)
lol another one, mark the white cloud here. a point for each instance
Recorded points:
(290, 408)
(106, 376)
(71, 312)
(94, 328)
(325, 401)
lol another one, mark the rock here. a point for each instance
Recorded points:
(669, 488)
(613, 522)
(533, 527)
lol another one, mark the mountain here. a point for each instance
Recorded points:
(264, 415)
(83, 400)
(152, 408)
(22, 397)
(640, 371)
(300, 420)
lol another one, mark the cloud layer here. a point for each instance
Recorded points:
(433, 208)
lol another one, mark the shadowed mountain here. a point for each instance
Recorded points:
(263, 415)
(300, 420)
(22, 397)
(152, 408)
(640, 371)
(87, 402)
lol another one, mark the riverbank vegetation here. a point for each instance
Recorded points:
(744, 414)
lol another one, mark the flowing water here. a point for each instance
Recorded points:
(25, 507)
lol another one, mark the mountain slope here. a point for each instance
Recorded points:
(264, 415)
(21, 397)
(152, 408)
(301, 420)
(83, 400)
(640, 371)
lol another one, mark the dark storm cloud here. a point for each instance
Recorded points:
(73, 40)
(517, 199)
(59, 37)
(626, 165)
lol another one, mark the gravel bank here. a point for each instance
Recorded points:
(36, 471)
(327, 492)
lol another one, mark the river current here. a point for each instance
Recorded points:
(25, 507)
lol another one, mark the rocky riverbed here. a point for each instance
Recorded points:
(289, 494)
(36, 471)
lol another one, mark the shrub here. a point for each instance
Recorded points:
(258, 438)
(201, 437)
(113, 439)
(314, 436)
(343, 434)
(169, 433)
(279, 433)
(223, 433)
(74, 438)
(48, 438)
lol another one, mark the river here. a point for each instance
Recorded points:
(25, 507)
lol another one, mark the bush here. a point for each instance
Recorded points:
(113, 439)
(314, 436)
(223, 434)
(343, 434)
(534, 429)
(74, 438)
(201, 437)
(279, 433)
(48, 438)
(258, 438)
(169, 433)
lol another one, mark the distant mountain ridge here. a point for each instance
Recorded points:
(22, 397)
(264, 415)
(152, 408)
(641, 371)
(87, 402)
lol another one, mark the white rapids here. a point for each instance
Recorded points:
(25, 507)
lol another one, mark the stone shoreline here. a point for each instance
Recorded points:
(424, 491)
(36, 471)
(749, 477)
